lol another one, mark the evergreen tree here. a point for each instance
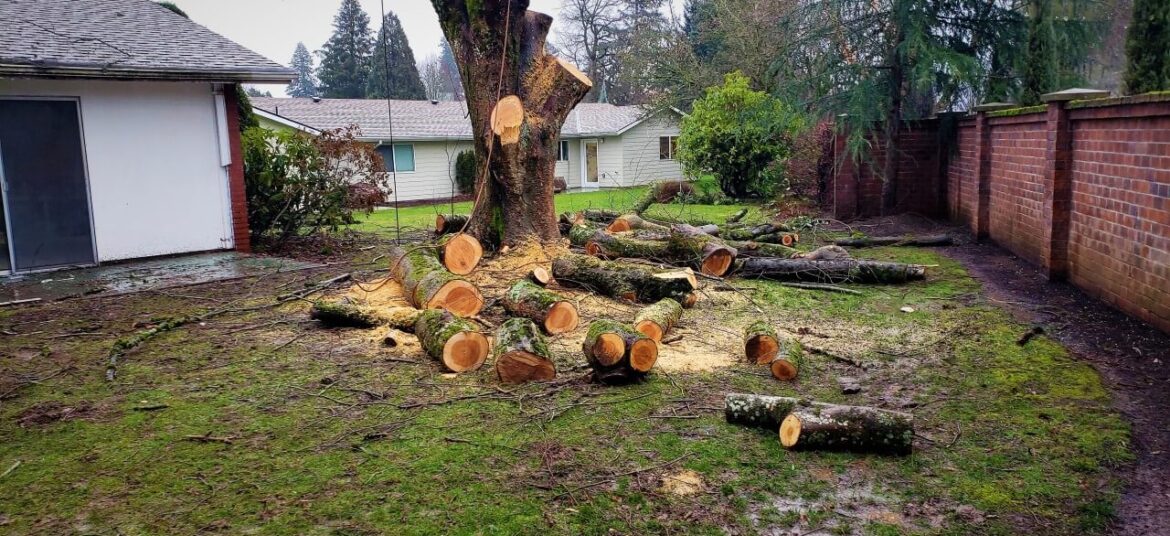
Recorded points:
(175, 9)
(253, 92)
(450, 70)
(1147, 47)
(306, 84)
(345, 58)
(393, 72)
(1040, 74)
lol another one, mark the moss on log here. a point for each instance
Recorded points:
(623, 281)
(551, 311)
(428, 285)
(453, 341)
(521, 353)
(339, 314)
(900, 241)
(757, 411)
(656, 319)
(708, 254)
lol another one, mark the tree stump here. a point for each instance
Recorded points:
(460, 253)
(655, 320)
(521, 353)
(552, 312)
(617, 353)
(428, 285)
(453, 341)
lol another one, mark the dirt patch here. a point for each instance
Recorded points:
(684, 483)
(51, 412)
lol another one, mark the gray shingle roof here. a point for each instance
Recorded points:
(121, 39)
(422, 120)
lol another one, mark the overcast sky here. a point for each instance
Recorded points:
(273, 27)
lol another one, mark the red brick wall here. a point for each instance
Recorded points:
(242, 235)
(858, 190)
(1017, 194)
(960, 193)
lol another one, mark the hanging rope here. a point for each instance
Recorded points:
(390, 120)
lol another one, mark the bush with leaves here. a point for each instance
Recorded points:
(298, 184)
(465, 172)
(740, 135)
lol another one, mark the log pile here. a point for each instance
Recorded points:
(618, 353)
(805, 425)
(762, 346)
(685, 245)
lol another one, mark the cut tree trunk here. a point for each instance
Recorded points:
(460, 253)
(848, 428)
(449, 223)
(624, 281)
(787, 364)
(685, 245)
(712, 256)
(453, 341)
(581, 234)
(618, 353)
(339, 314)
(830, 271)
(518, 96)
(761, 345)
(552, 312)
(908, 241)
(540, 275)
(521, 353)
(428, 285)
(655, 320)
(629, 222)
(758, 411)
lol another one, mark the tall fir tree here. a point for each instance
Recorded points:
(393, 73)
(345, 58)
(1040, 74)
(1147, 47)
(450, 70)
(306, 84)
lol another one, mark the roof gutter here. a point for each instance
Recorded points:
(273, 76)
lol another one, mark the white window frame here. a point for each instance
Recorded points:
(563, 151)
(671, 147)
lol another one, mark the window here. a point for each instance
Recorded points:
(667, 147)
(563, 154)
(401, 159)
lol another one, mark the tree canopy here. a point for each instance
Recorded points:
(393, 72)
(1148, 47)
(306, 83)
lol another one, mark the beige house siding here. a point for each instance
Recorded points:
(641, 163)
(434, 170)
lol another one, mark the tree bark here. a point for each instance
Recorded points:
(629, 222)
(711, 255)
(518, 96)
(908, 241)
(618, 353)
(761, 249)
(655, 320)
(830, 271)
(428, 285)
(339, 314)
(757, 411)
(847, 428)
(453, 341)
(552, 312)
(521, 353)
(460, 253)
(623, 281)
(685, 245)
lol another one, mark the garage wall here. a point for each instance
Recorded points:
(640, 149)
(153, 158)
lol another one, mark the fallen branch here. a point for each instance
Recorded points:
(900, 241)
(208, 438)
(819, 286)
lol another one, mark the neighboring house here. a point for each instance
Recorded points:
(602, 145)
(118, 133)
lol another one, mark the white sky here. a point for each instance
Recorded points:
(273, 27)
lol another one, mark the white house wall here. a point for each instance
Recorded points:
(434, 170)
(641, 163)
(152, 156)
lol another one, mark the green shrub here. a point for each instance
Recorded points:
(741, 136)
(298, 184)
(465, 172)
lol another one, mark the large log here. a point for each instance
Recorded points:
(685, 245)
(449, 223)
(428, 285)
(581, 234)
(340, 314)
(623, 281)
(618, 353)
(908, 241)
(453, 341)
(761, 249)
(847, 428)
(757, 411)
(656, 319)
(552, 312)
(460, 253)
(521, 353)
(712, 256)
(829, 271)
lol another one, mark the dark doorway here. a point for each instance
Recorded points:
(46, 197)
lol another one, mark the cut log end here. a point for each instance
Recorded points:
(461, 253)
(573, 70)
(465, 351)
(619, 226)
(522, 367)
(540, 276)
(440, 223)
(593, 249)
(690, 300)
(609, 348)
(783, 369)
(761, 349)
(790, 431)
(718, 262)
(650, 329)
(507, 116)
(788, 240)
(562, 318)
(459, 297)
(643, 355)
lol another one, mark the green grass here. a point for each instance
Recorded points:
(1022, 438)
(423, 217)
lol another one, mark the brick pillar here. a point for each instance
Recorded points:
(241, 233)
(1057, 192)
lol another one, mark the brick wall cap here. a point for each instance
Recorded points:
(1076, 93)
(992, 106)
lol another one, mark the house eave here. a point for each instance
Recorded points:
(105, 72)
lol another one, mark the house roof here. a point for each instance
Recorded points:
(121, 39)
(425, 120)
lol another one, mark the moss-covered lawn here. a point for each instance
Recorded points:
(331, 433)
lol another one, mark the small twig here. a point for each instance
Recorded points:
(208, 438)
(821, 286)
(19, 302)
(11, 469)
(151, 407)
